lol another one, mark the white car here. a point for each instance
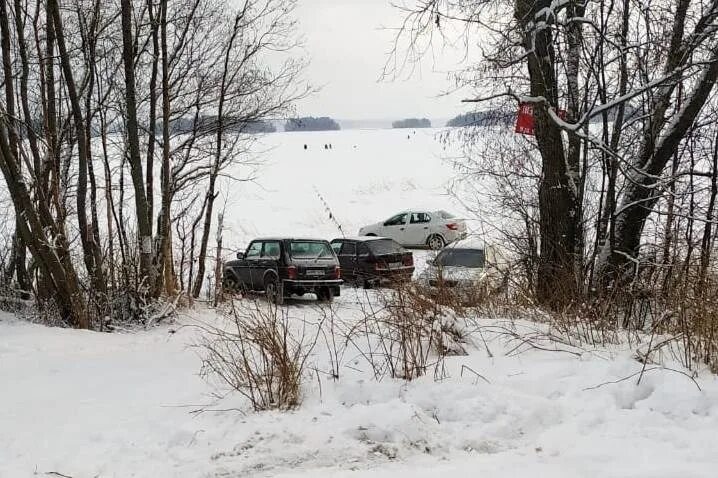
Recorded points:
(467, 267)
(419, 228)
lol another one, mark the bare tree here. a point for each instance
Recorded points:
(618, 71)
(248, 93)
(196, 70)
(144, 227)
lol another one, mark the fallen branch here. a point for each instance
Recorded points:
(474, 372)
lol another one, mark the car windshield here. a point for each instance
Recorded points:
(473, 258)
(446, 215)
(310, 250)
(384, 246)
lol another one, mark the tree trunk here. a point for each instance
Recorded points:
(164, 263)
(707, 241)
(144, 227)
(51, 170)
(50, 253)
(88, 244)
(640, 191)
(559, 210)
(100, 283)
(149, 174)
(218, 262)
(19, 258)
(197, 288)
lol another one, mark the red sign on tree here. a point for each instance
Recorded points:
(525, 118)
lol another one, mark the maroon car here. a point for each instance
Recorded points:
(370, 260)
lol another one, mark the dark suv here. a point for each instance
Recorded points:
(371, 260)
(281, 267)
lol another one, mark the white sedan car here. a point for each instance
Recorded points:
(419, 228)
(466, 267)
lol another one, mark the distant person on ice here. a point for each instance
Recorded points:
(305, 146)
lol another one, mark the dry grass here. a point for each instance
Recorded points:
(407, 333)
(258, 355)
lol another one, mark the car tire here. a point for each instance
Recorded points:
(230, 284)
(435, 242)
(273, 291)
(371, 234)
(325, 295)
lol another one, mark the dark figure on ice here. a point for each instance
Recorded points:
(326, 146)
(305, 146)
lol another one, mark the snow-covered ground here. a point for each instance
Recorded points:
(87, 404)
(367, 176)
(117, 405)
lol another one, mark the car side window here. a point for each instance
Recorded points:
(271, 250)
(255, 249)
(420, 218)
(336, 246)
(398, 220)
(348, 249)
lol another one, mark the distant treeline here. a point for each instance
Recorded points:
(201, 124)
(412, 123)
(229, 124)
(483, 118)
(310, 123)
(496, 117)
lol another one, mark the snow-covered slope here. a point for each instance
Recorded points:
(118, 405)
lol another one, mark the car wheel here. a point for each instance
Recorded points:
(273, 291)
(435, 242)
(325, 295)
(230, 284)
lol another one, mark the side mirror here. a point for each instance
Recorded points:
(240, 255)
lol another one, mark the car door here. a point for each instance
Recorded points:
(395, 227)
(246, 273)
(348, 259)
(365, 267)
(418, 229)
(269, 259)
(337, 245)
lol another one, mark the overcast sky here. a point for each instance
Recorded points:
(347, 42)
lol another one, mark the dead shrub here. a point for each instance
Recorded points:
(258, 355)
(673, 318)
(693, 324)
(409, 333)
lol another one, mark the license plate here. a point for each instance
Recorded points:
(395, 265)
(315, 272)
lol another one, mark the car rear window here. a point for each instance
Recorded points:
(385, 246)
(310, 250)
(473, 258)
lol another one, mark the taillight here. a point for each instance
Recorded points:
(292, 272)
(408, 260)
(337, 272)
(452, 226)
